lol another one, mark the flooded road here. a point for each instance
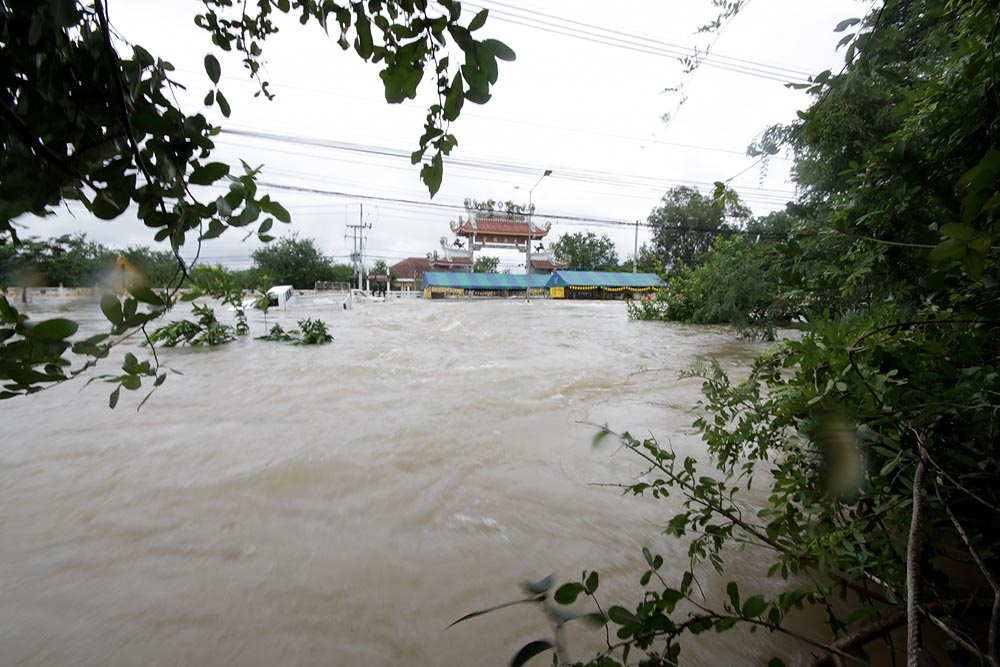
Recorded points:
(343, 504)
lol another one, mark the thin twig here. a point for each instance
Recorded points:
(913, 651)
(958, 639)
(995, 615)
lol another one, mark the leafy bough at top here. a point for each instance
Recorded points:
(81, 122)
(407, 37)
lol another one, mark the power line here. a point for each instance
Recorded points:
(587, 176)
(658, 42)
(640, 44)
(608, 222)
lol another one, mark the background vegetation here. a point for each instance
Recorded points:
(73, 261)
(878, 427)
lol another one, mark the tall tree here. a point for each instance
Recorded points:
(293, 261)
(486, 264)
(69, 260)
(686, 223)
(587, 251)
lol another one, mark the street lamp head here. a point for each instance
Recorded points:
(548, 172)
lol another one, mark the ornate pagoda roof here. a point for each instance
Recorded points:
(491, 221)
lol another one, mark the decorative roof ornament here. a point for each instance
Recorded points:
(452, 252)
(548, 257)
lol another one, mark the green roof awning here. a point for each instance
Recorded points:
(482, 281)
(604, 279)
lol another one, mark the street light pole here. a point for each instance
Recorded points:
(527, 248)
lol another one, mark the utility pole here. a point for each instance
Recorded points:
(635, 253)
(527, 248)
(358, 248)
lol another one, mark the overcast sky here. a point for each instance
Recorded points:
(587, 98)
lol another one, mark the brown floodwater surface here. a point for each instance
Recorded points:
(343, 504)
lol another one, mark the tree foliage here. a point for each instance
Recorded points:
(742, 281)
(686, 222)
(88, 117)
(587, 251)
(486, 264)
(72, 261)
(293, 261)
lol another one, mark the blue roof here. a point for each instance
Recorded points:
(482, 281)
(604, 279)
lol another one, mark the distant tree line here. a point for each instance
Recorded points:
(75, 261)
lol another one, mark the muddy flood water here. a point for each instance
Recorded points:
(335, 505)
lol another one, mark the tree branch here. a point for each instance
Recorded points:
(913, 651)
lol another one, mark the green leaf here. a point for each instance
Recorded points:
(431, 174)
(487, 63)
(529, 651)
(215, 229)
(249, 214)
(213, 68)
(947, 250)
(845, 24)
(599, 437)
(209, 173)
(454, 100)
(277, 210)
(113, 398)
(108, 205)
(223, 206)
(734, 595)
(724, 624)
(754, 607)
(981, 244)
(479, 20)
(500, 50)
(130, 362)
(974, 264)
(593, 581)
(146, 295)
(131, 382)
(112, 309)
(364, 44)
(462, 37)
(55, 329)
(478, 92)
(223, 104)
(567, 593)
(622, 616)
(957, 231)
